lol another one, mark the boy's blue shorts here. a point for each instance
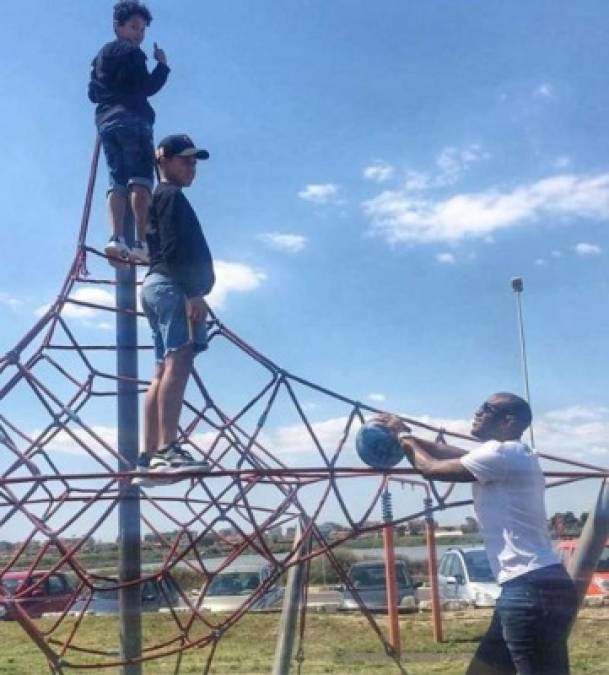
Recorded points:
(129, 149)
(164, 304)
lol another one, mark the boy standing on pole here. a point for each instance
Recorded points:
(120, 86)
(173, 298)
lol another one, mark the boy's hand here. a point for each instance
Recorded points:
(159, 54)
(196, 308)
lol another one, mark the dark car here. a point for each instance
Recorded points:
(368, 578)
(156, 595)
(34, 593)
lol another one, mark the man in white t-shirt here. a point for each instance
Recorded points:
(538, 601)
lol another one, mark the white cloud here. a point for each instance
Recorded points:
(378, 171)
(454, 162)
(545, 91)
(396, 216)
(575, 432)
(9, 300)
(584, 249)
(377, 397)
(540, 262)
(295, 438)
(417, 182)
(89, 294)
(290, 243)
(446, 258)
(64, 443)
(562, 162)
(322, 193)
(233, 277)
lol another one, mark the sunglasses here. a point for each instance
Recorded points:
(490, 409)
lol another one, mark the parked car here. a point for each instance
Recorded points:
(599, 583)
(156, 594)
(52, 595)
(368, 578)
(231, 587)
(465, 574)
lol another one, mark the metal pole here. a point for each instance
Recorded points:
(289, 611)
(591, 543)
(390, 579)
(432, 567)
(518, 287)
(128, 443)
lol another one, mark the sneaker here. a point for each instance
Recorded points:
(143, 470)
(139, 252)
(116, 248)
(175, 458)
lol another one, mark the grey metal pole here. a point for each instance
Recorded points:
(128, 443)
(591, 543)
(518, 287)
(289, 611)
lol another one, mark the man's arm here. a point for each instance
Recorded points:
(432, 468)
(436, 450)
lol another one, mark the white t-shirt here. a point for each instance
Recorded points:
(509, 505)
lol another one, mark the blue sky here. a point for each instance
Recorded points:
(378, 173)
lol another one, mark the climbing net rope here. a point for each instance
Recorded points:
(58, 474)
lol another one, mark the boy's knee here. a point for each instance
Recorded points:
(117, 192)
(141, 188)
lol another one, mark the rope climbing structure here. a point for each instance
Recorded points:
(62, 471)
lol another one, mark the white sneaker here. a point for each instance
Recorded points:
(174, 458)
(116, 248)
(139, 252)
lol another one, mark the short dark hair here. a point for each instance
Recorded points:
(516, 406)
(125, 9)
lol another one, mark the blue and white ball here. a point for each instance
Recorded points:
(377, 446)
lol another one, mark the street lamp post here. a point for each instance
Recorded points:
(518, 287)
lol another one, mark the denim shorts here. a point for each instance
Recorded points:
(164, 304)
(127, 143)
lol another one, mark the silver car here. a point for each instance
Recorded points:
(465, 574)
(233, 586)
(368, 578)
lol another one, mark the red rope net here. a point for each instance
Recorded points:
(58, 475)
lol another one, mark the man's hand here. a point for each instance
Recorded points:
(159, 54)
(393, 423)
(196, 308)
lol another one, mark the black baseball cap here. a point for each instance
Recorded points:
(179, 145)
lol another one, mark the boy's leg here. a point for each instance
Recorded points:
(117, 205)
(178, 365)
(151, 412)
(140, 202)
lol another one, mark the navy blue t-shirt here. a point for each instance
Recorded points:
(120, 81)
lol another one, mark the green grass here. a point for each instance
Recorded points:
(334, 643)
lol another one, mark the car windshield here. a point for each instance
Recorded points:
(10, 586)
(373, 576)
(234, 583)
(603, 563)
(478, 566)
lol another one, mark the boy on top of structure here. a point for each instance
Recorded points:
(120, 86)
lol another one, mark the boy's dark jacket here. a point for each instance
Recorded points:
(176, 242)
(120, 81)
